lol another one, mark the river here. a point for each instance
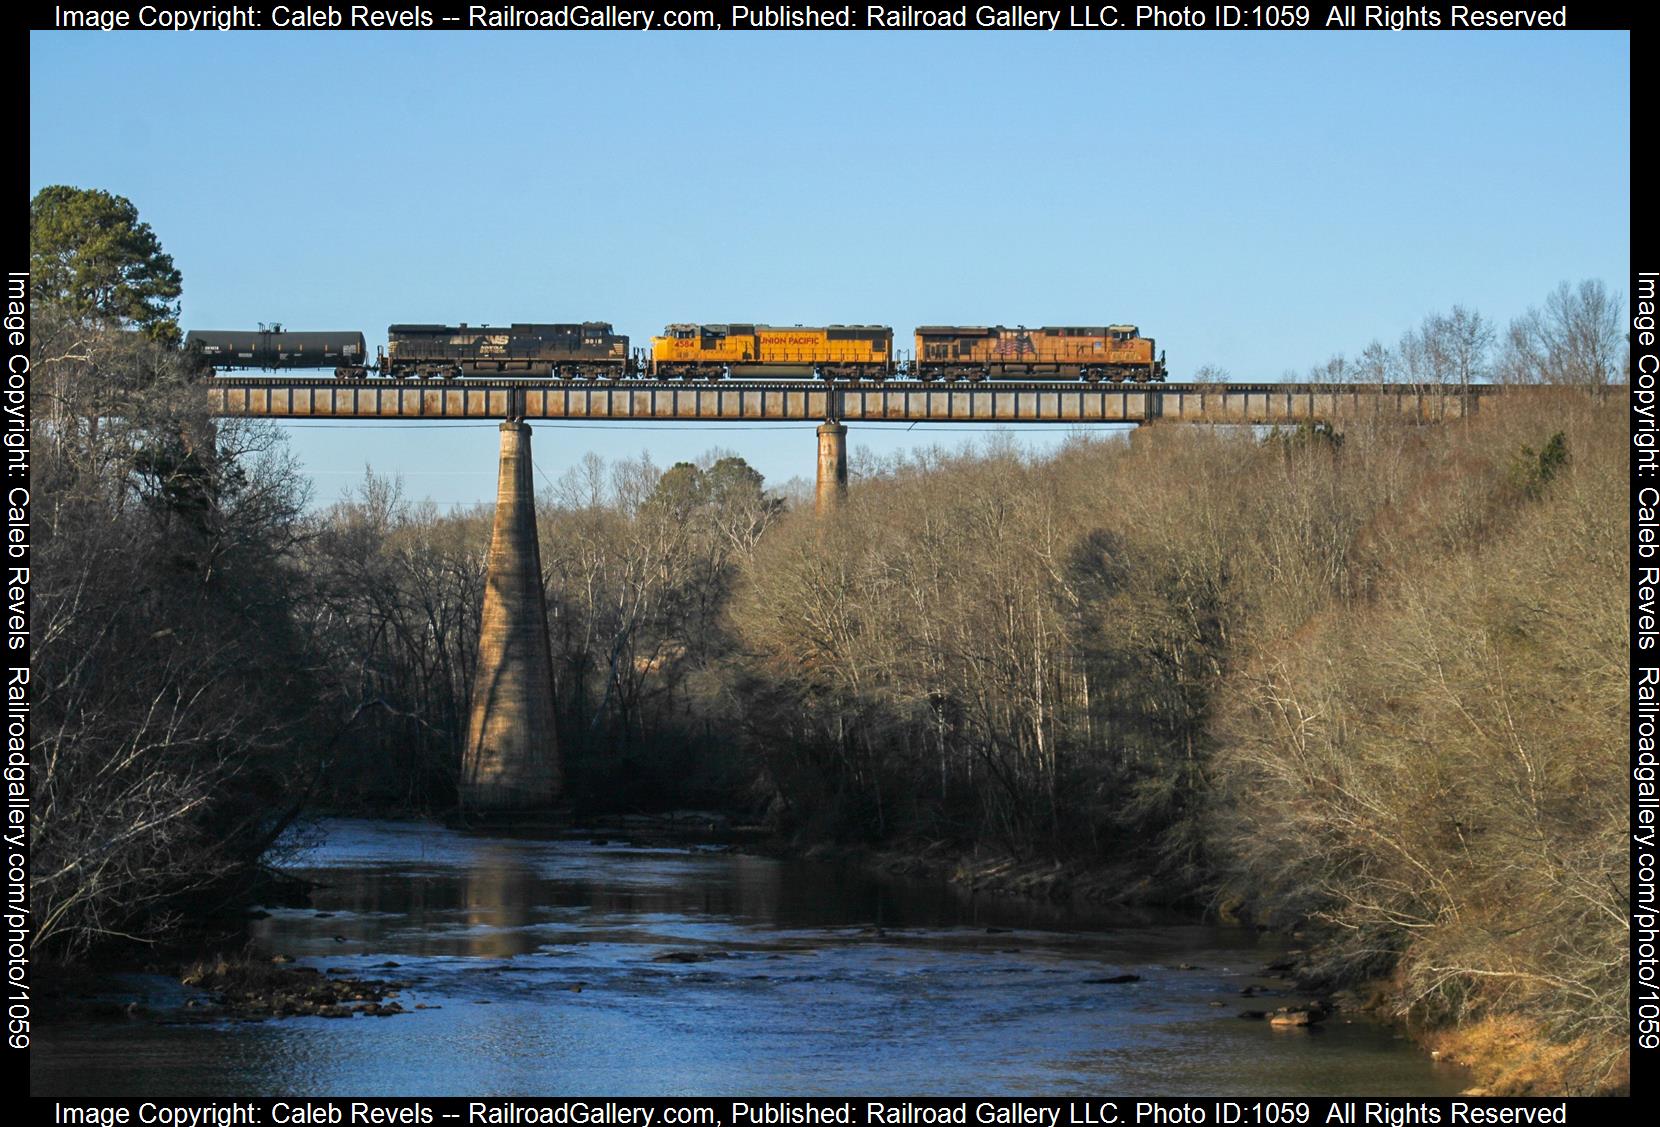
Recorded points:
(595, 967)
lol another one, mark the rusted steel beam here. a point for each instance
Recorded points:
(805, 401)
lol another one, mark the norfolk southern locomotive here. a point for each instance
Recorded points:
(590, 350)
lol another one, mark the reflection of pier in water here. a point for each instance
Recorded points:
(511, 898)
(511, 905)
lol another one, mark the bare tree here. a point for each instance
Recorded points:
(1336, 369)
(1375, 364)
(1457, 346)
(1575, 340)
(170, 688)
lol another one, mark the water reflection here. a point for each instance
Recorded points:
(558, 966)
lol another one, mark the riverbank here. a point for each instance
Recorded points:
(1512, 1056)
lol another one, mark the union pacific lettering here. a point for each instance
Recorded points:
(791, 338)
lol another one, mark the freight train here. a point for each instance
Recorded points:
(591, 350)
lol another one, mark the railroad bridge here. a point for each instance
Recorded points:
(511, 759)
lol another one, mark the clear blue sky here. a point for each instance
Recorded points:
(1253, 201)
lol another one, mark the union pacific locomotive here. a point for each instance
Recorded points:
(591, 350)
(834, 352)
(957, 352)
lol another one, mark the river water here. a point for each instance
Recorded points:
(575, 967)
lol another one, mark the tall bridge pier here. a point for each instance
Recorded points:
(512, 756)
(832, 466)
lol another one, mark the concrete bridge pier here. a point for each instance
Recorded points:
(832, 466)
(512, 756)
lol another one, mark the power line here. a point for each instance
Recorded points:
(541, 425)
(384, 426)
(409, 473)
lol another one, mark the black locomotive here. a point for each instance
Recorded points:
(589, 350)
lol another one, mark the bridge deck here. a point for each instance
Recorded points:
(735, 401)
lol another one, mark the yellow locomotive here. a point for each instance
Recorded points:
(832, 352)
(978, 352)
